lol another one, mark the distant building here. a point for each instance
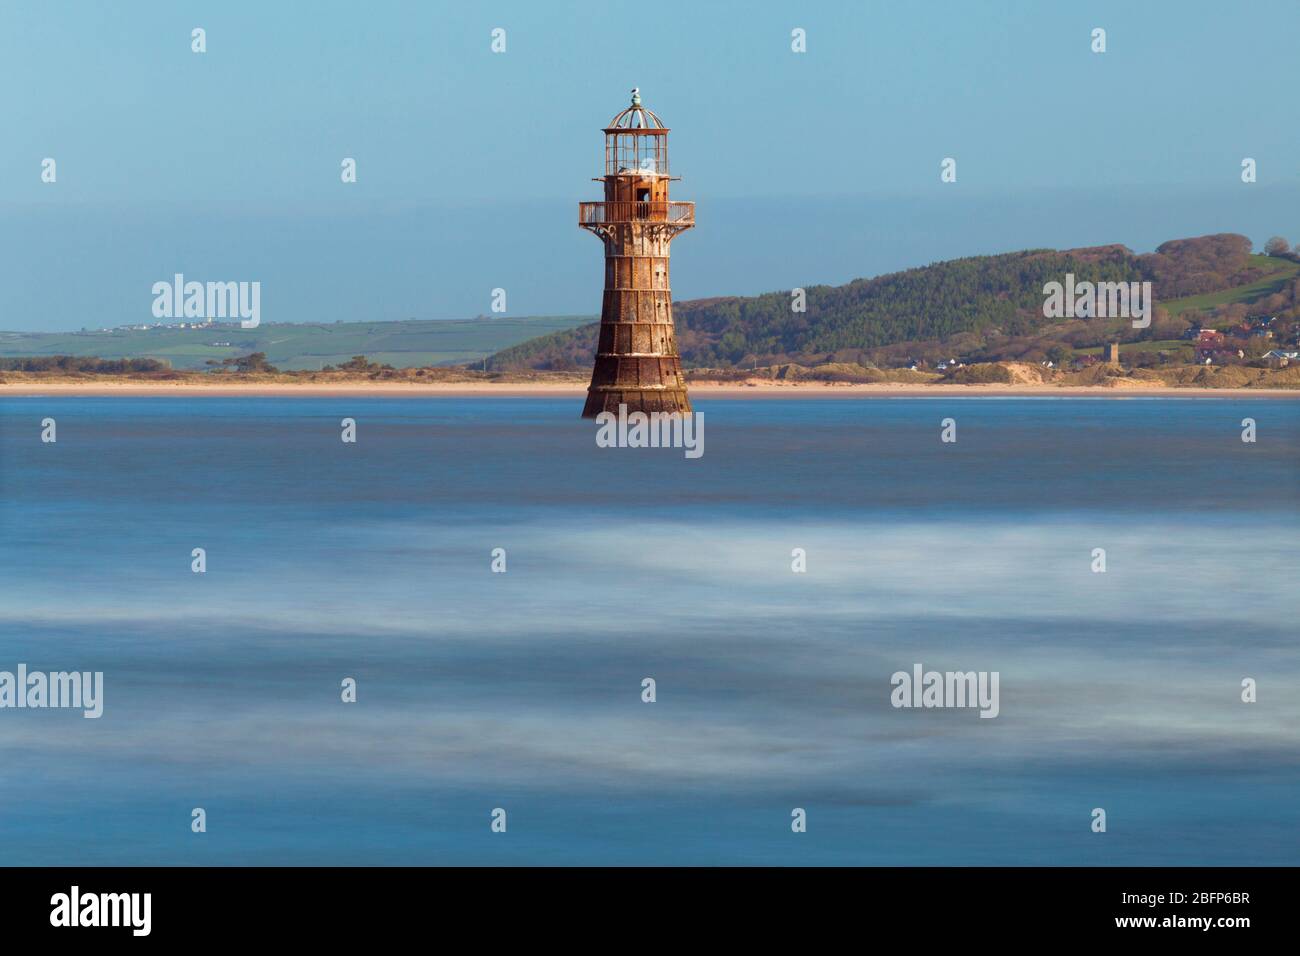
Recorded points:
(1211, 356)
(1281, 356)
(1110, 354)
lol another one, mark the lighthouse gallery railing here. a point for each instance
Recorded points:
(595, 213)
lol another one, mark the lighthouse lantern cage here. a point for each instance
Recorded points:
(636, 143)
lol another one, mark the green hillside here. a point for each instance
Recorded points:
(1279, 273)
(983, 308)
(292, 346)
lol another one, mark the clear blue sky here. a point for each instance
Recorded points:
(808, 168)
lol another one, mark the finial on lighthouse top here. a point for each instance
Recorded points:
(636, 96)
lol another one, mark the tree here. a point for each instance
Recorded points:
(1277, 246)
(253, 362)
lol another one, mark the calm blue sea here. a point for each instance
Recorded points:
(522, 690)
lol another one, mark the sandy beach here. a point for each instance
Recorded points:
(757, 390)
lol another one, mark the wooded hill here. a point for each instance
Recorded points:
(983, 308)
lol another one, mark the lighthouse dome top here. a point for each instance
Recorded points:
(636, 117)
(636, 143)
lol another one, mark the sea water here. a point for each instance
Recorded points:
(478, 690)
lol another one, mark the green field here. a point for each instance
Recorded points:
(1281, 272)
(294, 346)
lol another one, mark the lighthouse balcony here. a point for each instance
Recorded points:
(601, 213)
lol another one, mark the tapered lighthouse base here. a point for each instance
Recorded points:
(643, 400)
(644, 383)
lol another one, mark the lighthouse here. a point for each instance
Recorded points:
(637, 363)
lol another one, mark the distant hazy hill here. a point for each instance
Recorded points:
(985, 306)
(300, 346)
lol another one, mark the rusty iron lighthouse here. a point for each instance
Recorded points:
(637, 362)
